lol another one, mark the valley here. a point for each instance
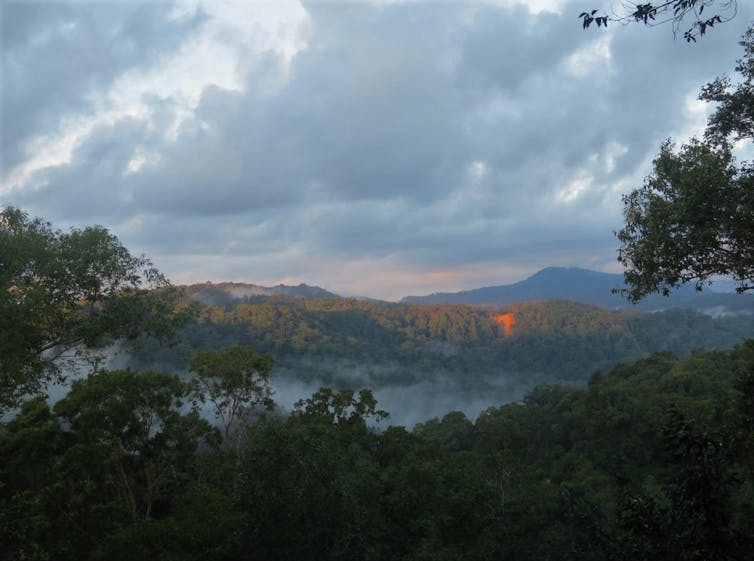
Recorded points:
(424, 359)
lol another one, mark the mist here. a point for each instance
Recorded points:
(410, 403)
(407, 403)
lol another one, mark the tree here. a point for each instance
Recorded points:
(693, 219)
(234, 380)
(137, 418)
(66, 295)
(310, 490)
(670, 11)
(733, 118)
(341, 408)
(109, 468)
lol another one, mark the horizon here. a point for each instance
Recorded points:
(398, 299)
(376, 149)
(719, 285)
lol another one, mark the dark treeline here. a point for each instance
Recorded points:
(549, 341)
(652, 460)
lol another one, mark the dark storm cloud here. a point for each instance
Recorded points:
(435, 135)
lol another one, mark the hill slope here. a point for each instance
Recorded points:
(588, 287)
(229, 293)
(347, 342)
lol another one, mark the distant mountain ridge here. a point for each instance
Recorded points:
(588, 287)
(224, 293)
(572, 284)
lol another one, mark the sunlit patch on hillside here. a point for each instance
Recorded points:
(507, 321)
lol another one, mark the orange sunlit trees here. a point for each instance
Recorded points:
(507, 321)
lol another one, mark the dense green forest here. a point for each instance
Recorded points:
(332, 339)
(653, 460)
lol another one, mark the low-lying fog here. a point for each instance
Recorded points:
(407, 404)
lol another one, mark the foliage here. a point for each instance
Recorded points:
(670, 11)
(653, 460)
(309, 491)
(341, 342)
(339, 407)
(137, 418)
(65, 294)
(693, 218)
(234, 380)
(733, 118)
(115, 454)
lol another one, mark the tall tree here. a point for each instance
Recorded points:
(234, 380)
(64, 295)
(137, 417)
(693, 218)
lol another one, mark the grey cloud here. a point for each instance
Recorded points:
(502, 49)
(334, 125)
(94, 183)
(368, 149)
(57, 54)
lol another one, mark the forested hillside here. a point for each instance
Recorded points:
(337, 340)
(229, 293)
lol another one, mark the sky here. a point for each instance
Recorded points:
(381, 148)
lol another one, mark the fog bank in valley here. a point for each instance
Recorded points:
(409, 403)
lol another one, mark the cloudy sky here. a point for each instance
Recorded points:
(378, 148)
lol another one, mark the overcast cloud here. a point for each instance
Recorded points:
(381, 149)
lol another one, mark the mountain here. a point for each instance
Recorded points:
(228, 293)
(347, 343)
(589, 287)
